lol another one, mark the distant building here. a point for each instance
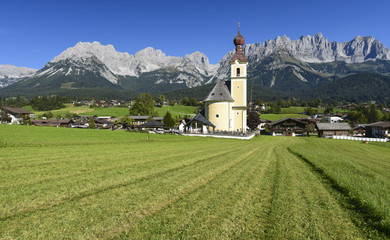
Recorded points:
(262, 124)
(333, 129)
(226, 104)
(359, 131)
(17, 115)
(141, 119)
(378, 130)
(183, 123)
(198, 124)
(287, 127)
(334, 119)
(152, 125)
(53, 122)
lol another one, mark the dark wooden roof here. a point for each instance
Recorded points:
(51, 122)
(285, 120)
(200, 118)
(17, 110)
(145, 117)
(220, 93)
(309, 120)
(141, 117)
(264, 120)
(333, 126)
(152, 124)
(359, 127)
(102, 121)
(379, 124)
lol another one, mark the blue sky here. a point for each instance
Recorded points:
(33, 32)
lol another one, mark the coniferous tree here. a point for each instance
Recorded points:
(253, 120)
(91, 123)
(168, 120)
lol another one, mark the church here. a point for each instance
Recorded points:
(226, 104)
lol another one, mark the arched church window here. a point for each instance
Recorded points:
(238, 72)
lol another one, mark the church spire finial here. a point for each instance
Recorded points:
(238, 27)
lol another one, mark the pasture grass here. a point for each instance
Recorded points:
(301, 110)
(57, 113)
(177, 111)
(110, 112)
(276, 117)
(58, 183)
(293, 110)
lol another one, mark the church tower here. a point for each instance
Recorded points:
(226, 104)
(238, 84)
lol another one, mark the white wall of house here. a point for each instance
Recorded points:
(261, 126)
(334, 119)
(15, 120)
(204, 129)
(181, 126)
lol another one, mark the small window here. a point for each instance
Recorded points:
(217, 115)
(238, 72)
(238, 113)
(238, 86)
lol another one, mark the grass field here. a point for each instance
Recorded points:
(58, 183)
(176, 111)
(293, 110)
(301, 110)
(276, 117)
(69, 108)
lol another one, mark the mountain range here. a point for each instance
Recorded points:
(10, 74)
(282, 65)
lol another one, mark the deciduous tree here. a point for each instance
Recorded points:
(143, 105)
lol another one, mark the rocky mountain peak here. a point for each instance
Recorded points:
(11, 71)
(154, 68)
(10, 74)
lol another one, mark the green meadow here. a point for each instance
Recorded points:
(176, 111)
(275, 117)
(294, 112)
(59, 183)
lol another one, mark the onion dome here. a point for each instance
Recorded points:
(239, 40)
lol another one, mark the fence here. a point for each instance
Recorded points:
(360, 138)
(224, 134)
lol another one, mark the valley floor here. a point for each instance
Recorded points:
(86, 184)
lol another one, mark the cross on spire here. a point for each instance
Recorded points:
(238, 26)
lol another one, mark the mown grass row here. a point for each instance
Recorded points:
(167, 187)
(359, 172)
